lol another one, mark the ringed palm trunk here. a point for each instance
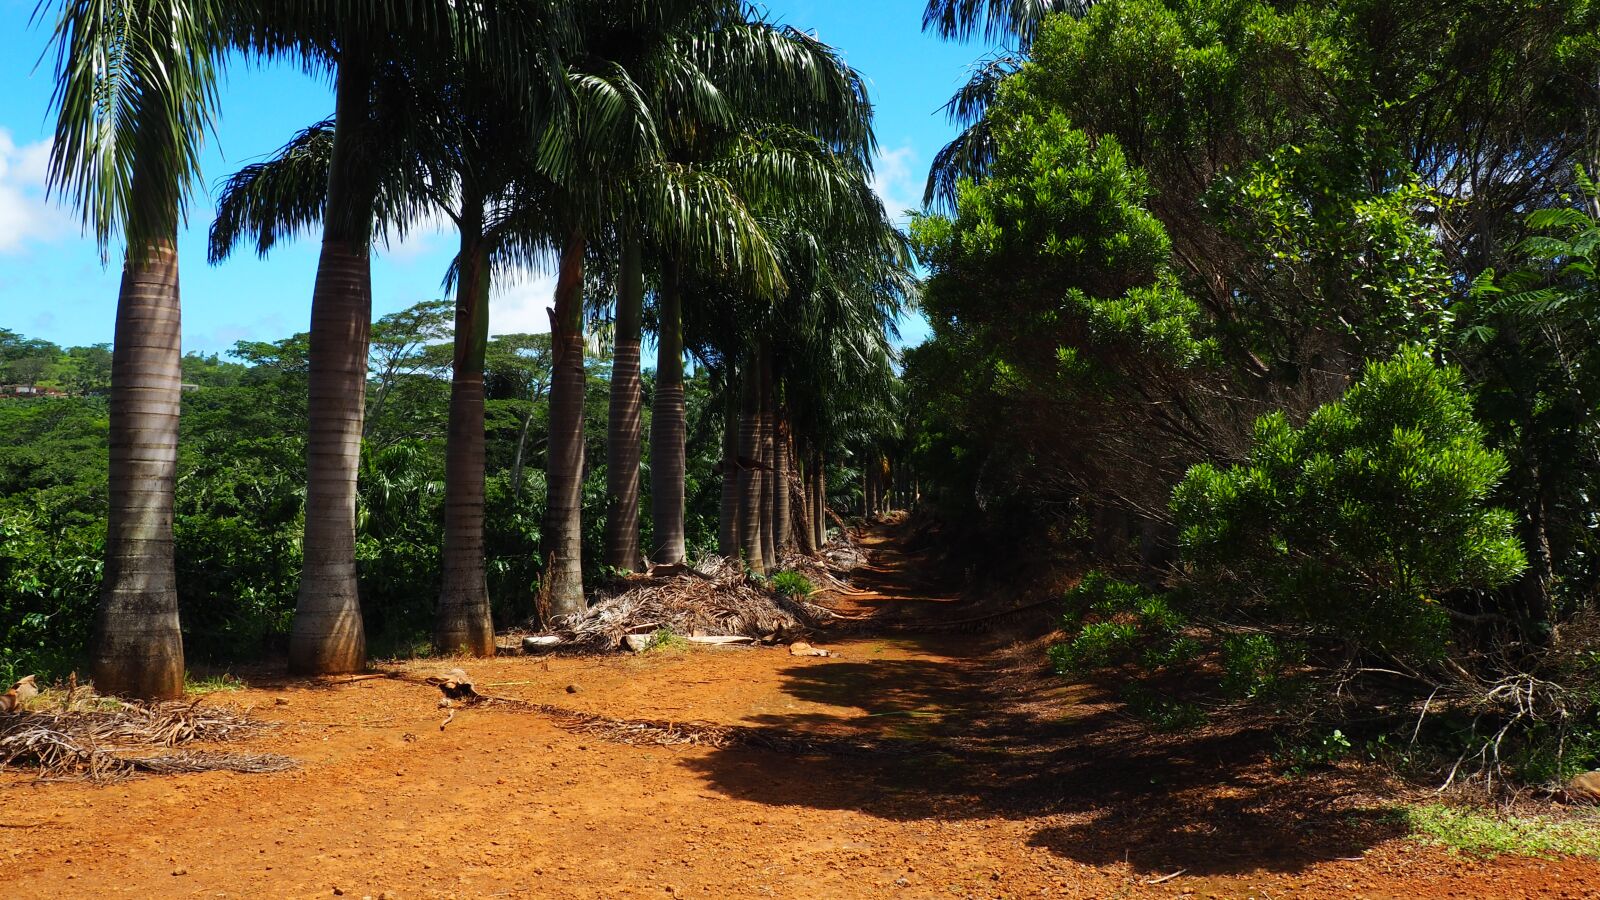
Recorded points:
(780, 484)
(138, 647)
(624, 427)
(463, 622)
(564, 507)
(750, 474)
(805, 535)
(328, 636)
(819, 498)
(728, 517)
(668, 431)
(769, 479)
(814, 495)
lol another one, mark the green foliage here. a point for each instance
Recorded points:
(791, 584)
(1253, 665)
(1366, 521)
(1314, 752)
(239, 505)
(1111, 622)
(1060, 221)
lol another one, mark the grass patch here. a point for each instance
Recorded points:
(1488, 835)
(212, 684)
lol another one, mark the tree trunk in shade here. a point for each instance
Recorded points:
(563, 532)
(780, 483)
(750, 475)
(463, 622)
(819, 506)
(804, 534)
(668, 431)
(769, 553)
(138, 647)
(728, 513)
(328, 636)
(624, 430)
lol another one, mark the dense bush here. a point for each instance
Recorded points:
(1367, 523)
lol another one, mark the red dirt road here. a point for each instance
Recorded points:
(1012, 784)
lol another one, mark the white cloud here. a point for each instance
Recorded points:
(26, 217)
(897, 180)
(433, 232)
(521, 303)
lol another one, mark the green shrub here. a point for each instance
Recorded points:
(1112, 622)
(789, 583)
(1253, 664)
(1362, 523)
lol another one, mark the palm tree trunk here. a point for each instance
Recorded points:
(750, 473)
(819, 505)
(805, 534)
(463, 621)
(780, 483)
(668, 429)
(868, 483)
(328, 636)
(728, 518)
(138, 647)
(769, 481)
(564, 506)
(624, 425)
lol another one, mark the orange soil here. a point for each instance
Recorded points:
(1017, 785)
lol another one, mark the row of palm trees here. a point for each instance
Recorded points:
(685, 152)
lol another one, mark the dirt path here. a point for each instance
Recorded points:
(1003, 783)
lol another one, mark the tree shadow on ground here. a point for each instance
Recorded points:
(966, 740)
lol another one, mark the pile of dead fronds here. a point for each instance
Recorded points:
(822, 576)
(714, 598)
(844, 552)
(102, 739)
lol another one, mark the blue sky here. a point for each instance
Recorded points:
(54, 286)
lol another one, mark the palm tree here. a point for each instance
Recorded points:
(135, 89)
(445, 148)
(623, 450)
(391, 151)
(800, 120)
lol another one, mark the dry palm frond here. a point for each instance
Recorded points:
(717, 598)
(100, 739)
